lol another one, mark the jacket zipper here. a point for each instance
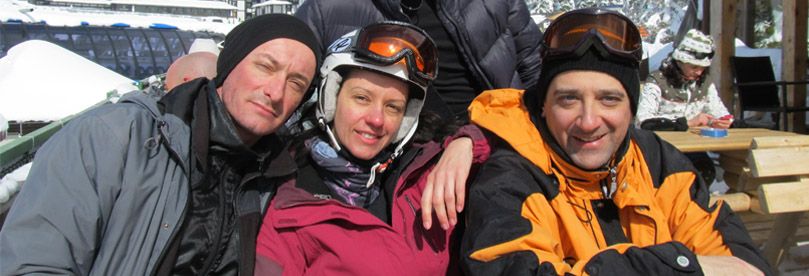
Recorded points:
(425, 234)
(213, 255)
(410, 203)
(187, 170)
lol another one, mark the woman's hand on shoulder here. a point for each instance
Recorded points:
(446, 184)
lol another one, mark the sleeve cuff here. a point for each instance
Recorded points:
(480, 144)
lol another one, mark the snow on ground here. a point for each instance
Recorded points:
(42, 81)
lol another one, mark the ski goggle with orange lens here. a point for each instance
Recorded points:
(573, 33)
(387, 43)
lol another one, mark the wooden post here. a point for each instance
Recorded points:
(723, 27)
(793, 60)
(706, 17)
(746, 20)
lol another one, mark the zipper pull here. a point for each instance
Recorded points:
(410, 203)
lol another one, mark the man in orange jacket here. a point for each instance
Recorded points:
(572, 188)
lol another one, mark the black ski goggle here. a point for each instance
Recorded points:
(390, 42)
(574, 32)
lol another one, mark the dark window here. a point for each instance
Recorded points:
(133, 52)
(160, 53)
(105, 52)
(143, 54)
(187, 38)
(61, 36)
(12, 34)
(82, 43)
(175, 45)
(123, 52)
(37, 31)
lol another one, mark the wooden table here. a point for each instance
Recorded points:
(774, 233)
(738, 139)
(733, 149)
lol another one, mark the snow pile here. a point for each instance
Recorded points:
(40, 81)
(11, 184)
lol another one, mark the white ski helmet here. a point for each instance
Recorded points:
(396, 49)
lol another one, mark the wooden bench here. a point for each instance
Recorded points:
(771, 181)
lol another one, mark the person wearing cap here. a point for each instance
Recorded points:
(681, 96)
(176, 186)
(353, 208)
(571, 187)
(680, 90)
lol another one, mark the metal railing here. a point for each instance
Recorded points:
(20, 151)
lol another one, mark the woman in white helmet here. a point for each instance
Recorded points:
(364, 165)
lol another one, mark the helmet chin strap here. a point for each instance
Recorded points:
(381, 167)
(378, 167)
(332, 139)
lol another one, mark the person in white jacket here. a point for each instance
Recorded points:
(680, 90)
(680, 96)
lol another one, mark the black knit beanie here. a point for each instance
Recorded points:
(256, 31)
(626, 73)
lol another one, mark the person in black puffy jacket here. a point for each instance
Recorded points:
(481, 44)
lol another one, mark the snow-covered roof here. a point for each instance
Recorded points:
(166, 3)
(179, 3)
(94, 2)
(40, 81)
(272, 2)
(67, 16)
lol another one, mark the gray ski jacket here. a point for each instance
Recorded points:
(118, 214)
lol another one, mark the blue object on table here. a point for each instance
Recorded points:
(713, 132)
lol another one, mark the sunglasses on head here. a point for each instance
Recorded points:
(699, 55)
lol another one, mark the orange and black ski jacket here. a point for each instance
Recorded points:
(532, 213)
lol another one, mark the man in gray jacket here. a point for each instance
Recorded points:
(174, 186)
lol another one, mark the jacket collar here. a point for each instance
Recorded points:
(181, 103)
(223, 134)
(392, 9)
(199, 106)
(501, 111)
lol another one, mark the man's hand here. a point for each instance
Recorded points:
(446, 185)
(726, 265)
